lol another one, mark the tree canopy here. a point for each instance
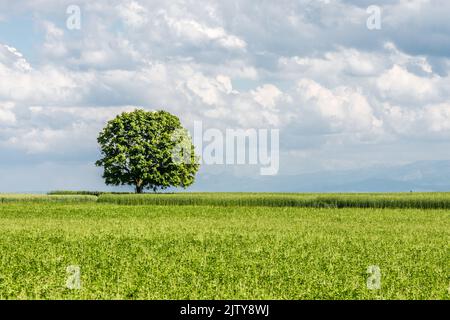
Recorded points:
(148, 150)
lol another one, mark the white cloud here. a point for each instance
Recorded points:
(208, 89)
(7, 116)
(431, 121)
(10, 57)
(344, 61)
(196, 32)
(266, 95)
(54, 45)
(400, 84)
(343, 109)
(37, 140)
(133, 13)
(438, 117)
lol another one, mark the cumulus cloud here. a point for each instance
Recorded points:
(132, 13)
(11, 57)
(7, 116)
(54, 45)
(266, 95)
(398, 83)
(342, 109)
(196, 32)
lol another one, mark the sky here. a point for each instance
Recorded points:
(345, 94)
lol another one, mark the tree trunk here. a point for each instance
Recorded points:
(139, 188)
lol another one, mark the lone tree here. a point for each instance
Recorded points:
(149, 150)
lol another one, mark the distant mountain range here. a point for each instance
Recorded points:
(417, 176)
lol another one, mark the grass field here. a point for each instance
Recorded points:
(220, 252)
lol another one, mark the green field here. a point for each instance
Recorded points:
(245, 251)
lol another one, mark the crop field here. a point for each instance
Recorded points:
(238, 249)
(364, 200)
(11, 198)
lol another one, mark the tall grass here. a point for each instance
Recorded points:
(11, 198)
(372, 200)
(311, 200)
(82, 192)
(73, 193)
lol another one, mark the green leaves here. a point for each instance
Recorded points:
(138, 148)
